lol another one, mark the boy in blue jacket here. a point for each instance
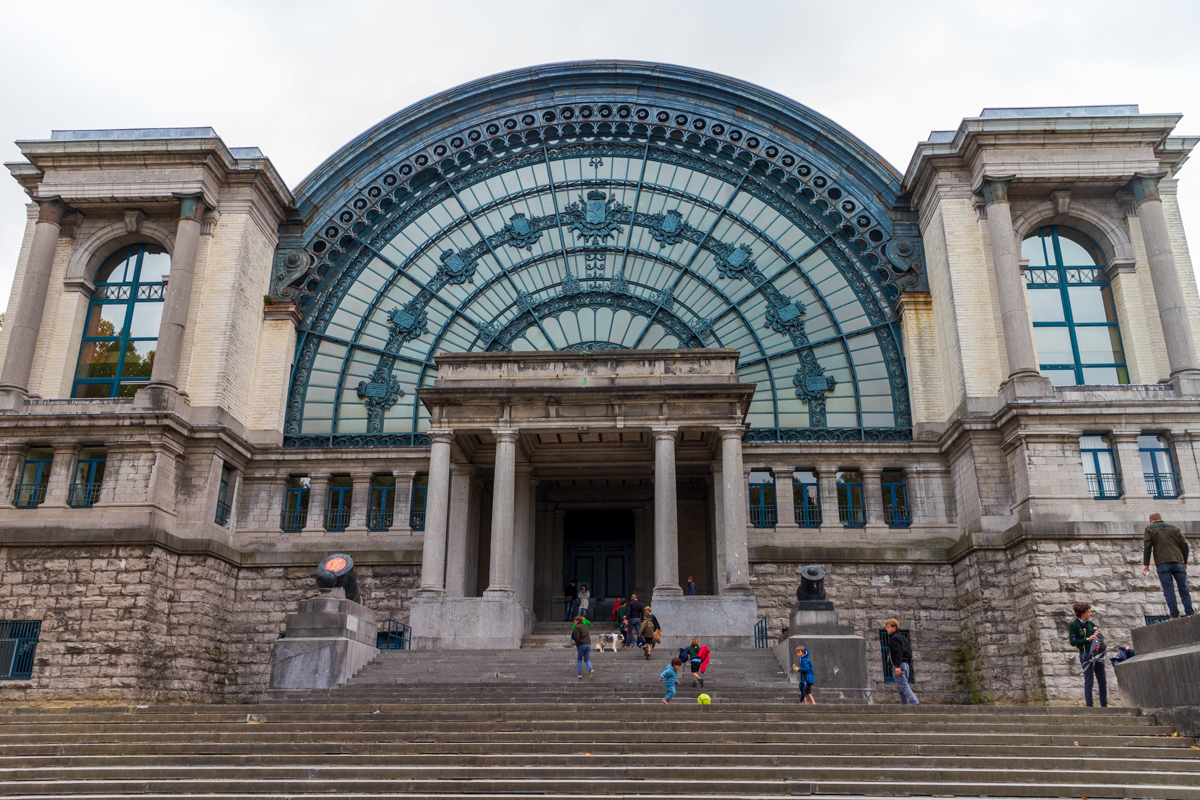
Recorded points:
(807, 676)
(670, 677)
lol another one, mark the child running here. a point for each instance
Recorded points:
(670, 677)
(807, 676)
(697, 655)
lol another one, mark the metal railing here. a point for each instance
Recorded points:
(763, 516)
(417, 519)
(380, 519)
(29, 495)
(897, 516)
(760, 633)
(222, 517)
(394, 635)
(337, 519)
(293, 521)
(1103, 485)
(853, 516)
(808, 516)
(1163, 485)
(18, 643)
(83, 495)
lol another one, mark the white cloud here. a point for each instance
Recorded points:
(299, 79)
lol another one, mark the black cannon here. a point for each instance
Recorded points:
(812, 584)
(337, 572)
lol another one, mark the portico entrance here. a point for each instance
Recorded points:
(593, 459)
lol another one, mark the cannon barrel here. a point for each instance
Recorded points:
(337, 572)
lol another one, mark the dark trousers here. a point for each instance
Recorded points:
(1094, 671)
(1168, 575)
(631, 629)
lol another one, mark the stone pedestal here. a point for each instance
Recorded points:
(1164, 671)
(839, 656)
(326, 642)
(721, 622)
(469, 623)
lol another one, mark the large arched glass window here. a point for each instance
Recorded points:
(1071, 305)
(122, 323)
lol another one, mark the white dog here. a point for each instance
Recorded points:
(607, 639)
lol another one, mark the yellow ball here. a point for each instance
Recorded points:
(703, 699)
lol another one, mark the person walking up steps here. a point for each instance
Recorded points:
(1170, 550)
(581, 634)
(633, 616)
(804, 666)
(900, 654)
(669, 678)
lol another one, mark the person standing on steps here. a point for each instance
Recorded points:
(669, 678)
(900, 655)
(570, 594)
(581, 634)
(1084, 635)
(585, 601)
(1170, 550)
(633, 617)
(691, 587)
(808, 677)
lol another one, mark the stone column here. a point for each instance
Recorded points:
(473, 535)
(179, 294)
(461, 476)
(318, 497)
(1129, 466)
(718, 504)
(437, 502)
(26, 319)
(1018, 333)
(558, 558)
(500, 574)
(62, 474)
(733, 492)
(873, 498)
(666, 515)
(402, 502)
(1172, 307)
(360, 497)
(827, 480)
(785, 499)
(522, 552)
(643, 551)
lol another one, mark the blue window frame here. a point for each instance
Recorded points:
(121, 333)
(1158, 468)
(337, 509)
(897, 512)
(89, 475)
(763, 513)
(18, 644)
(382, 508)
(889, 675)
(1099, 468)
(35, 477)
(417, 509)
(806, 491)
(851, 511)
(1071, 305)
(295, 505)
(224, 496)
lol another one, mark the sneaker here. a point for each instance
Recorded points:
(580, 676)
(702, 683)
(591, 674)
(666, 702)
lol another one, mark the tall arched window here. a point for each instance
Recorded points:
(1071, 304)
(122, 323)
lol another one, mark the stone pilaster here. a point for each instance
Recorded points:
(62, 471)
(169, 349)
(437, 504)
(461, 476)
(827, 480)
(733, 490)
(318, 498)
(360, 496)
(666, 515)
(402, 504)
(785, 498)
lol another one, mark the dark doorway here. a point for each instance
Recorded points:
(598, 551)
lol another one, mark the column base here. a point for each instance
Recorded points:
(1025, 387)
(160, 397)
(468, 623)
(12, 398)
(668, 590)
(1187, 384)
(721, 621)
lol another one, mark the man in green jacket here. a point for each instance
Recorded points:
(1170, 550)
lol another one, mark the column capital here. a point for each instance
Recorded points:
(786, 469)
(738, 432)
(665, 433)
(191, 205)
(873, 472)
(440, 436)
(994, 188)
(506, 435)
(1145, 186)
(51, 209)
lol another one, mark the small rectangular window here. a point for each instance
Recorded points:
(897, 512)
(851, 511)
(1154, 620)
(224, 496)
(1099, 468)
(762, 500)
(35, 477)
(382, 508)
(889, 674)
(18, 644)
(806, 494)
(337, 511)
(89, 475)
(295, 504)
(417, 510)
(1158, 468)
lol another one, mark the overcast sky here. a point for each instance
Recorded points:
(299, 79)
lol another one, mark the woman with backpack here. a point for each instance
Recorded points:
(581, 635)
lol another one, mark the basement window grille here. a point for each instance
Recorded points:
(18, 643)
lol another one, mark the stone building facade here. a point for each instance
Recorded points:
(708, 334)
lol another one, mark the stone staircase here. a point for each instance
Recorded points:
(603, 748)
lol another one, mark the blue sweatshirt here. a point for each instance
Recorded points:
(669, 676)
(806, 670)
